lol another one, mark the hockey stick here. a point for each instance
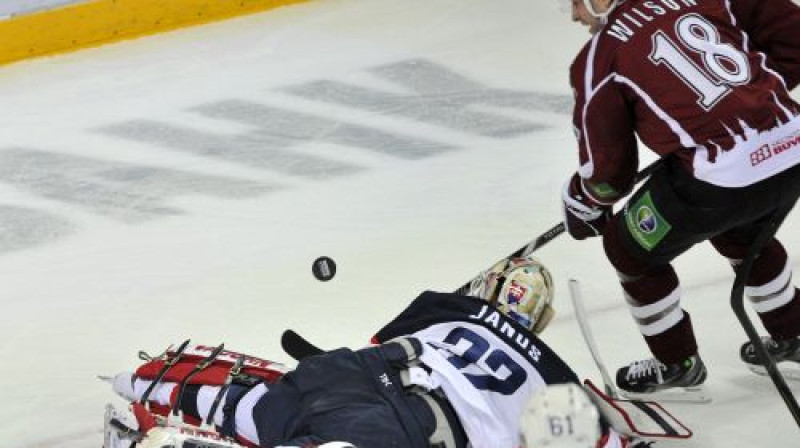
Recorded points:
(696, 396)
(547, 236)
(634, 417)
(586, 331)
(737, 303)
(297, 346)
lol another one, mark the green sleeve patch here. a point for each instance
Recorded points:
(602, 190)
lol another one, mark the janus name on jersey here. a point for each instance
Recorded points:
(499, 322)
(625, 26)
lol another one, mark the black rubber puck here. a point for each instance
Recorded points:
(323, 268)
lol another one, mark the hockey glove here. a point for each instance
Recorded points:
(583, 217)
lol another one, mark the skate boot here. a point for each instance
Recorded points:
(654, 380)
(786, 355)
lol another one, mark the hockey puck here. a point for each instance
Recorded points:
(324, 269)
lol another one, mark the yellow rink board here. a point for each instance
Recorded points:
(98, 22)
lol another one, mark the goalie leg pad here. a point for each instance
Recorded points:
(183, 436)
(217, 371)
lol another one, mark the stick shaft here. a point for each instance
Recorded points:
(586, 331)
(545, 238)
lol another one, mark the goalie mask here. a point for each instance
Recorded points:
(522, 289)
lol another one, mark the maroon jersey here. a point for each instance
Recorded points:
(707, 80)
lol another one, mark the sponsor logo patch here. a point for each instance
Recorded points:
(764, 152)
(646, 220)
(647, 226)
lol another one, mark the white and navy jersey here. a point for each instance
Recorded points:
(486, 363)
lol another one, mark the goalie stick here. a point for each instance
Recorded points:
(545, 238)
(637, 418)
(586, 331)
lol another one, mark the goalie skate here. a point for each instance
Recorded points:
(120, 428)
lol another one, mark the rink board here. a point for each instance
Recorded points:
(99, 22)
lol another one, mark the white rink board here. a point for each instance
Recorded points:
(181, 186)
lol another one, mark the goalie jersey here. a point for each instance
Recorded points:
(486, 364)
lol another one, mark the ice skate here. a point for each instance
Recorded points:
(650, 379)
(786, 355)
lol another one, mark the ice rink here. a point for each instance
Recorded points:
(180, 186)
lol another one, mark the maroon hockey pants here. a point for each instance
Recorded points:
(672, 212)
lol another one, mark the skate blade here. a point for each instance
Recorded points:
(789, 370)
(696, 395)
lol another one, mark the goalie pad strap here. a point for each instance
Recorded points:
(188, 401)
(214, 374)
(212, 411)
(234, 395)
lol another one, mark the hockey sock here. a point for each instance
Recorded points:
(769, 287)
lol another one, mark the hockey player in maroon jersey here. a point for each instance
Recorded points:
(705, 85)
(450, 371)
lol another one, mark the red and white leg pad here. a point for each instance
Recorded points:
(216, 373)
(132, 386)
(137, 425)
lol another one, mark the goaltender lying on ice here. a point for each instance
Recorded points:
(450, 371)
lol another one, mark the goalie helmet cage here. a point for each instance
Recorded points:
(737, 303)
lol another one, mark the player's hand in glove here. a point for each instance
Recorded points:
(583, 217)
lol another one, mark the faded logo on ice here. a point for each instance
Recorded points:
(271, 139)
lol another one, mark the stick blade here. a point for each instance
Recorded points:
(297, 346)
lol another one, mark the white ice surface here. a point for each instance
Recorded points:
(95, 269)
